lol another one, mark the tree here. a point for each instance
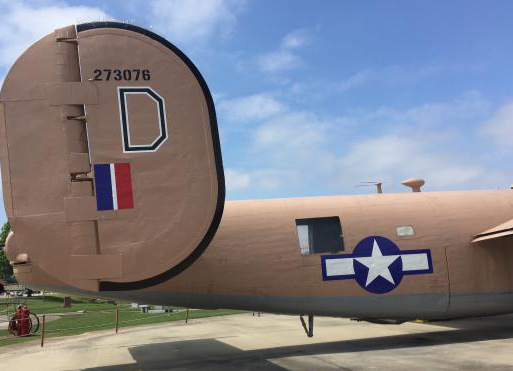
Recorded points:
(6, 273)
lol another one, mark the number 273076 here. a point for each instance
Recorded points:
(117, 74)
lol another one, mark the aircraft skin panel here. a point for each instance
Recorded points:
(6, 186)
(254, 261)
(36, 189)
(179, 186)
(481, 267)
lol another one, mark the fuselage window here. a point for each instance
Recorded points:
(319, 235)
(404, 230)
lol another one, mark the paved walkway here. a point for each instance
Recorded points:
(271, 342)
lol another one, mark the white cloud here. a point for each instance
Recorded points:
(24, 22)
(296, 145)
(312, 153)
(236, 180)
(270, 179)
(187, 21)
(253, 107)
(499, 128)
(389, 76)
(284, 58)
(359, 78)
(282, 147)
(466, 107)
(258, 180)
(415, 155)
(279, 60)
(291, 132)
(296, 39)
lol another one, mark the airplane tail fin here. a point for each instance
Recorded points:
(111, 163)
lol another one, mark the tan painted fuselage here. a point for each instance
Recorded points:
(254, 261)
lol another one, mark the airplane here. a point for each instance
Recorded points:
(113, 185)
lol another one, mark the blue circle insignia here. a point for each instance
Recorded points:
(377, 263)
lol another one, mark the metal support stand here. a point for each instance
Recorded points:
(43, 332)
(117, 320)
(309, 329)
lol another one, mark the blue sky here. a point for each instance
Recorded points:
(314, 97)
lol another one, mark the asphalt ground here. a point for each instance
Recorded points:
(272, 342)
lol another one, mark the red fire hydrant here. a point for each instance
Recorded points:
(22, 320)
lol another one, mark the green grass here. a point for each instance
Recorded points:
(99, 315)
(54, 304)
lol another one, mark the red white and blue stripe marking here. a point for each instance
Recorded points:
(113, 184)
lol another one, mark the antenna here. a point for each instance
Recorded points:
(377, 184)
(414, 183)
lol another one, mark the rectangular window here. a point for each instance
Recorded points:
(404, 230)
(319, 235)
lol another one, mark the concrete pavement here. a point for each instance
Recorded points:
(271, 342)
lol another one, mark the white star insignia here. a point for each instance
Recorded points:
(378, 265)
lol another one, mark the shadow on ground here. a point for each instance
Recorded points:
(211, 354)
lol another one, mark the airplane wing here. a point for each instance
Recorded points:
(502, 230)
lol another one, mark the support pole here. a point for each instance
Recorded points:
(309, 329)
(187, 315)
(310, 325)
(43, 332)
(117, 319)
(67, 302)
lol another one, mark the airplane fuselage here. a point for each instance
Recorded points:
(254, 261)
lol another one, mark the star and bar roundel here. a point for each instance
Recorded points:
(377, 264)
